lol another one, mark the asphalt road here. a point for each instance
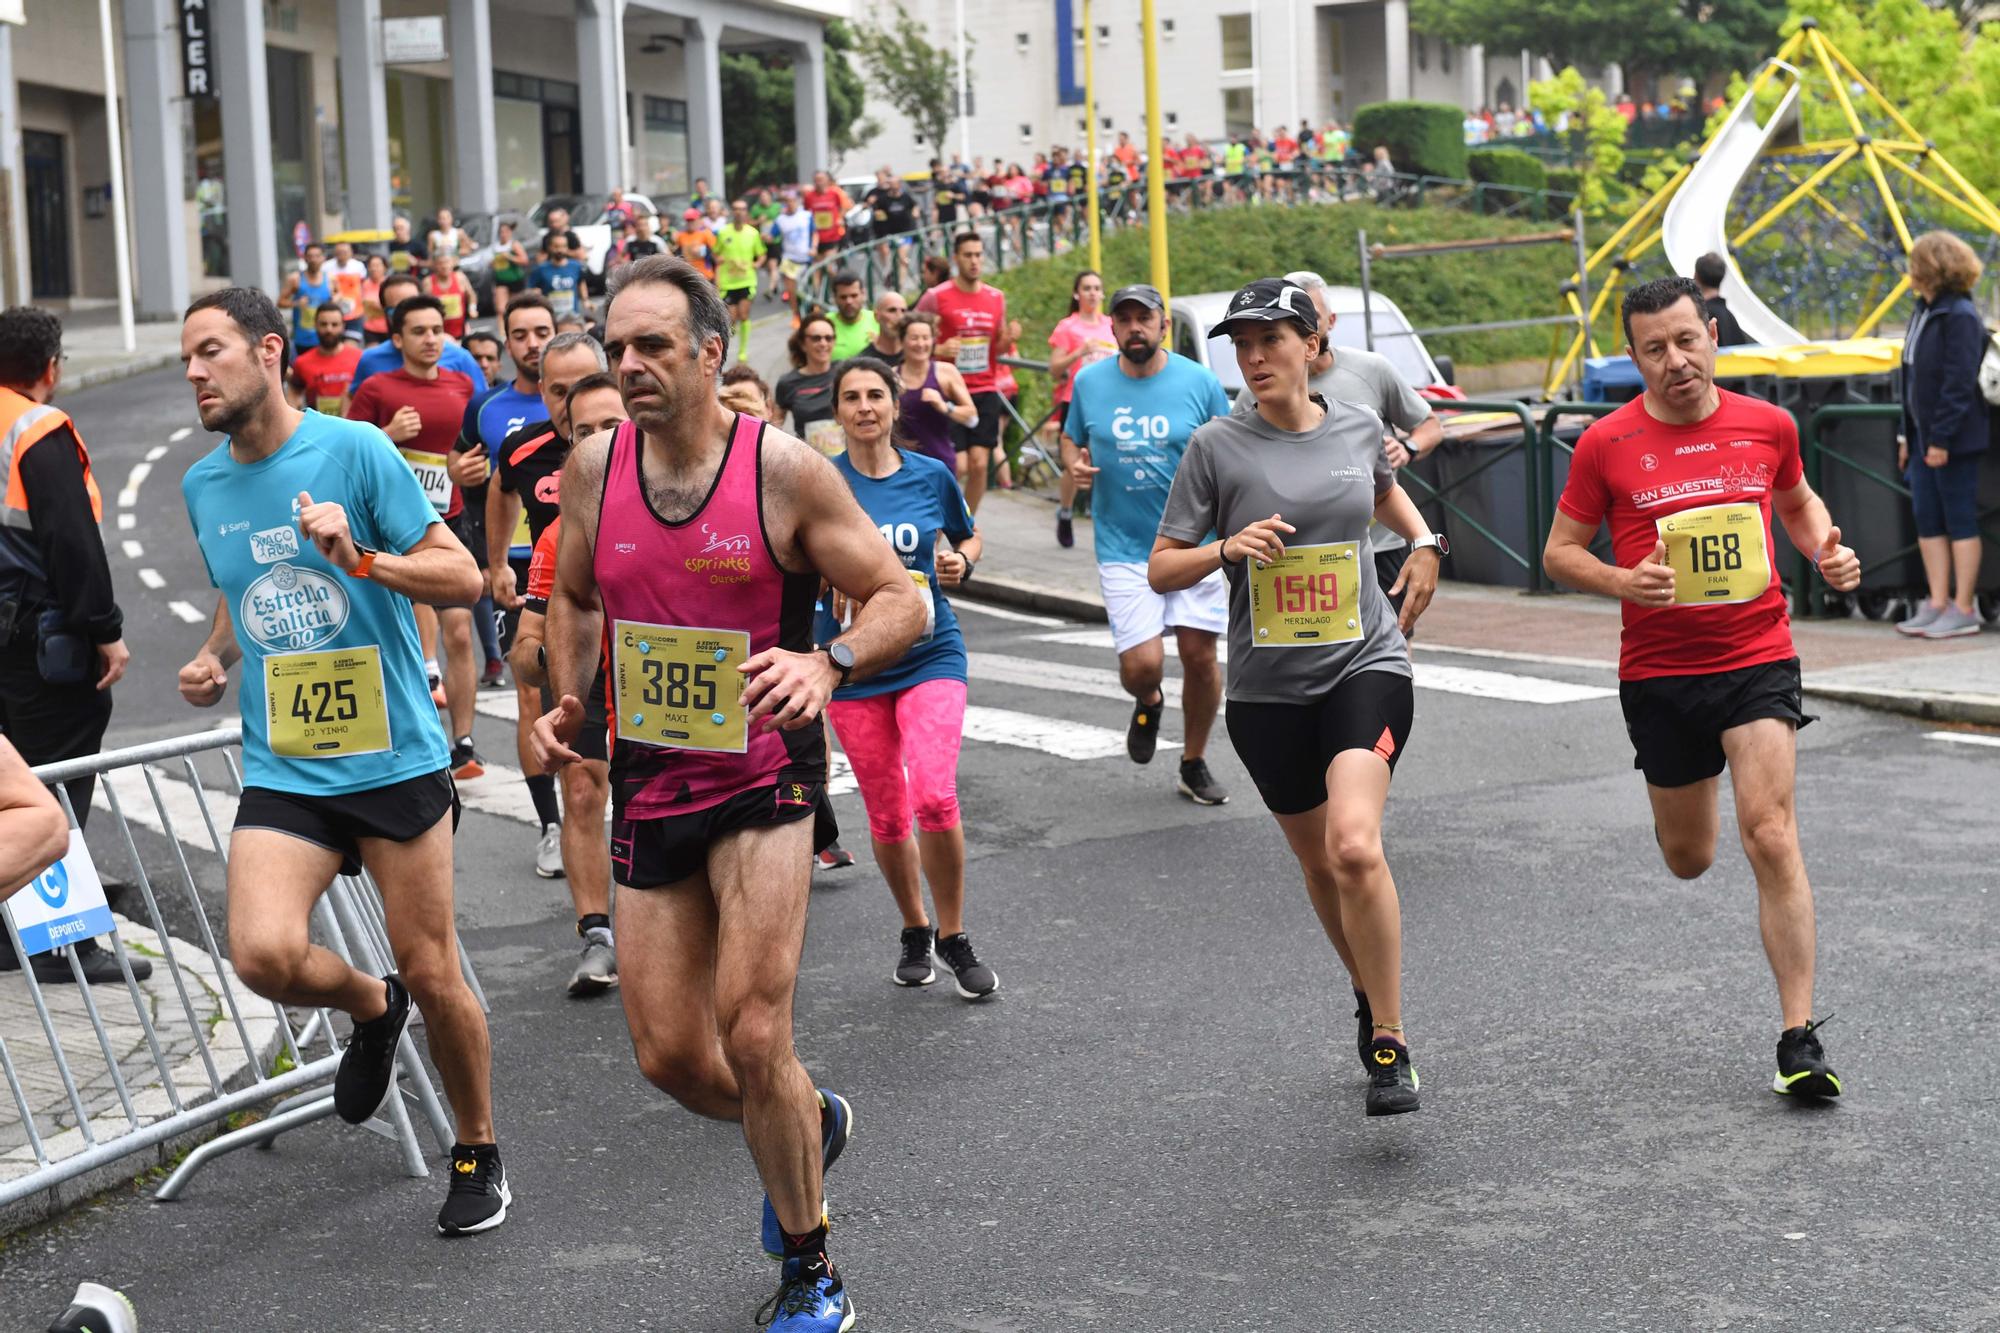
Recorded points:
(1159, 1124)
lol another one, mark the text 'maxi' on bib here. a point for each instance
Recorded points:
(678, 687)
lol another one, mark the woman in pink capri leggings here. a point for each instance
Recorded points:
(901, 729)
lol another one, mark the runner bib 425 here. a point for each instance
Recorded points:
(679, 687)
(1717, 554)
(1309, 595)
(325, 705)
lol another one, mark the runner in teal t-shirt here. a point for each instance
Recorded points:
(318, 535)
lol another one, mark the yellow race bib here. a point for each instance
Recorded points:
(431, 475)
(326, 705)
(522, 535)
(453, 303)
(825, 435)
(1717, 553)
(975, 354)
(678, 687)
(930, 605)
(327, 407)
(1309, 596)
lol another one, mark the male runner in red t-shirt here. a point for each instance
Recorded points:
(828, 204)
(420, 408)
(320, 374)
(973, 334)
(1689, 476)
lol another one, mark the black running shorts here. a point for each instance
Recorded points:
(506, 622)
(1676, 722)
(984, 432)
(1289, 747)
(398, 812)
(735, 294)
(658, 853)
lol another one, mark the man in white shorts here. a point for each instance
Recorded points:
(792, 230)
(1129, 420)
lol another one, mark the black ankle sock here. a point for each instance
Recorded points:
(813, 1242)
(590, 921)
(542, 788)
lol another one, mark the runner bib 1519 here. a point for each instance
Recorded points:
(325, 705)
(1717, 554)
(1308, 596)
(679, 687)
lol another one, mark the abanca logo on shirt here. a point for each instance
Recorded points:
(289, 609)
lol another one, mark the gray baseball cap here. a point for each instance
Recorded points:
(1145, 293)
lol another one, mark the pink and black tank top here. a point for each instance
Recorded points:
(684, 604)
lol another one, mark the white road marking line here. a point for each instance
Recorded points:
(134, 479)
(1505, 685)
(1060, 677)
(134, 551)
(156, 453)
(1065, 740)
(1545, 659)
(1101, 638)
(151, 578)
(180, 435)
(176, 797)
(127, 522)
(1006, 613)
(1962, 738)
(1429, 676)
(502, 792)
(186, 612)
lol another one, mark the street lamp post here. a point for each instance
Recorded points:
(964, 129)
(1156, 180)
(121, 236)
(1090, 138)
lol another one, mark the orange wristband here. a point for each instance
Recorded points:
(362, 566)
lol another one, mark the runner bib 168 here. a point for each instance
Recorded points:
(679, 687)
(1717, 554)
(1309, 595)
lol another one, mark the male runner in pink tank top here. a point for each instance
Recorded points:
(705, 535)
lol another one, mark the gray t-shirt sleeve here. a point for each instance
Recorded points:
(1404, 406)
(1385, 476)
(1190, 513)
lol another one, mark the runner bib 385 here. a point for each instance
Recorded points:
(679, 687)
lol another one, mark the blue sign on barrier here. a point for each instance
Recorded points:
(62, 905)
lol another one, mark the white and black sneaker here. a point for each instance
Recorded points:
(976, 981)
(915, 967)
(368, 1066)
(597, 970)
(479, 1195)
(1199, 785)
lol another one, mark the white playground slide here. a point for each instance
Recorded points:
(1697, 220)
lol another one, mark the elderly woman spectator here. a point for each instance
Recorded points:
(1944, 432)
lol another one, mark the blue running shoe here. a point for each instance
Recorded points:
(809, 1299)
(836, 1126)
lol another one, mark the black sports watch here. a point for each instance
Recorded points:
(842, 658)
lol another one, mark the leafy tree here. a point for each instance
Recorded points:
(1692, 37)
(914, 75)
(1569, 99)
(759, 134)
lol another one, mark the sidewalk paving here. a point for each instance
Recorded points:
(94, 346)
(1851, 661)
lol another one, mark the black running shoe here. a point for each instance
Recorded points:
(1199, 785)
(976, 981)
(1364, 1030)
(1142, 737)
(1392, 1079)
(99, 965)
(1803, 1070)
(1065, 530)
(369, 1065)
(915, 968)
(479, 1195)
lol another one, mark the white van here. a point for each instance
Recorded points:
(1195, 315)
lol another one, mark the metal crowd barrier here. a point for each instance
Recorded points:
(211, 1049)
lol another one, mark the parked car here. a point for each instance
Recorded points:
(478, 266)
(1395, 338)
(587, 219)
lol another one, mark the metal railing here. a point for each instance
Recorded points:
(210, 1048)
(1459, 518)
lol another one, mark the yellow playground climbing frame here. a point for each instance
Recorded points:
(1783, 79)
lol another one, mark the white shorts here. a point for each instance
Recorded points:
(1139, 614)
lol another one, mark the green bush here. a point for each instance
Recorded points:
(1522, 174)
(1567, 179)
(1425, 138)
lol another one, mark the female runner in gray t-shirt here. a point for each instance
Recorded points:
(1319, 690)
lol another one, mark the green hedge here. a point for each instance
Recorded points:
(1567, 179)
(1507, 166)
(1426, 138)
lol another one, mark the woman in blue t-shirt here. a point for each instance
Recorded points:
(901, 729)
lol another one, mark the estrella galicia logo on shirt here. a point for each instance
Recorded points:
(274, 544)
(291, 609)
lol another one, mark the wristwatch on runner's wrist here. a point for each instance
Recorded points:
(1432, 541)
(364, 564)
(842, 658)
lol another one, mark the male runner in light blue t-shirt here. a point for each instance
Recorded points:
(318, 536)
(1129, 420)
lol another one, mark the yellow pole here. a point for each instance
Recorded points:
(1090, 138)
(1156, 174)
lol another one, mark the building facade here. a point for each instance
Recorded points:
(251, 124)
(1226, 67)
